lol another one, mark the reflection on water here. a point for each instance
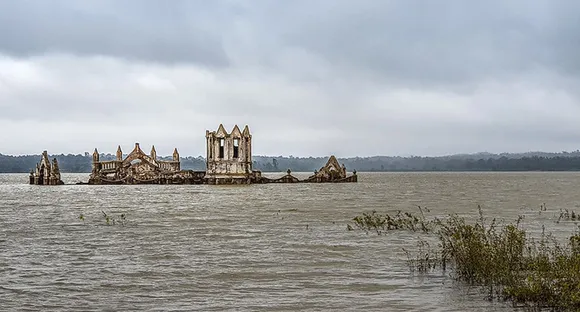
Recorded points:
(258, 247)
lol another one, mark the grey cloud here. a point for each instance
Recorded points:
(309, 77)
(427, 43)
(88, 102)
(412, 42)
(154, 31)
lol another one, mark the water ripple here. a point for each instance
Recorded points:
(246, 248)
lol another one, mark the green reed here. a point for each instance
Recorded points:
(503, 259)
(381, 223)
(568, 215)
(110, 220)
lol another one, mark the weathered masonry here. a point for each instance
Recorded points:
(229, 156)
(140, 168)
(228, 161)
(46, 173)
(331, 172)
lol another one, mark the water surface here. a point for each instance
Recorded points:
(277, 247)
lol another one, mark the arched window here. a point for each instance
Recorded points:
(236, 148)
(210, 146)
(222, 144)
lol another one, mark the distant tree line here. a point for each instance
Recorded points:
(490, 162)
(77, 163)
(385, 164)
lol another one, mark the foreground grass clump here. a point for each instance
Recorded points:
(568, 215)
(505, 260)
(381, 223)
(109, 219)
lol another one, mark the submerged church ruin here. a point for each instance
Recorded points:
(228, 161)
(45, 172)
(229, 157)
(139, 168)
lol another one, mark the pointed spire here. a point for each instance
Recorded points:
(175, 155)
(119, 153)
(221, 131)
(45, 158)
(236, 131)
(55, 168)
(96, 156)
(137, 149)
(246, 131)
(333, 163)
(153, 152)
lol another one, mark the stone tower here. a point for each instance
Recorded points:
(175, 154)
(229, 156)
(119, 154)
(96, 165)
(46, 173)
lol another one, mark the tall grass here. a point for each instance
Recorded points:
(504, 259)
(381, 223)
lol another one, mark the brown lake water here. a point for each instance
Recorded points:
(281, 247)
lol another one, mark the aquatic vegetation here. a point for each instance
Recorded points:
(109, 220)
(549, 276)
(426, 258)
(380, 223)
(568, 215)
(502, 258)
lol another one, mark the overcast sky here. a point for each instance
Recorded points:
(312, 77)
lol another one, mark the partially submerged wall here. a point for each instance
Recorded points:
(229, 156)
(45, 172)
(228, 161)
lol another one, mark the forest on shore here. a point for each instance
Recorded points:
(533, 161)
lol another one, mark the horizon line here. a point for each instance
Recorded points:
(341, 157)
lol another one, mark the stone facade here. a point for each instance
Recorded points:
(46, 173)
(332, 172)
(138, 168)
(228, 161)
(229, 156)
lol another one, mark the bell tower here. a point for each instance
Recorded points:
(229, 158)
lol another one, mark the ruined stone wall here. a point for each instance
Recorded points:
(46, 173)
(169, 165)
(137, 167)
(229, 154)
